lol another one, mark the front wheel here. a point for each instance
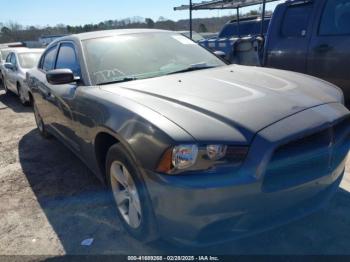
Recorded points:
(4, 85)
(40, 124)
(133, 204)
(21, 96)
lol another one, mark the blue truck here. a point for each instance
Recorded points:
(306, 36)
(234, 30)
(311, 37)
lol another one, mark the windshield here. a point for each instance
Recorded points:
(28, 60)
(195, 36)
(139, 56)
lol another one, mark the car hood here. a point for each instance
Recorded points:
(230, 103)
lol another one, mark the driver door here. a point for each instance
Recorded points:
(62, 97)
(329, 52)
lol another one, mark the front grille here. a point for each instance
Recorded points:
(308, 158)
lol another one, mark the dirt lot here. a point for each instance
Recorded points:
(50, 202)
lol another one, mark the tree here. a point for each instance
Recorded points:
(101, 25)
(202, 28)
(70, 29)
(88, 28)
(109, 24)
(14, 26)
(253, 13)
(149, 22)
(5, 30)
(161, 19)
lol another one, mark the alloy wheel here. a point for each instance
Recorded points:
(21, 95)
(4, 84)
(125, 194)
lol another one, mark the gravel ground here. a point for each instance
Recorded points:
(50, 202)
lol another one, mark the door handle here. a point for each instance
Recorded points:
(323, 48)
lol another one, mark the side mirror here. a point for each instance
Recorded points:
(61, 77)
(220, 54)
(9, 66)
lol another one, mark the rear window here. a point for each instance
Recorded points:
(245, 28)
(296, 20)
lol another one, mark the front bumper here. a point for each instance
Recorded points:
(270, 189)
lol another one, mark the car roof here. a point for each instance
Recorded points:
(10, 48)
(249, 19)
(106, 33)
(28, 50)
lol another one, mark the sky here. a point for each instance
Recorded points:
(79, 12)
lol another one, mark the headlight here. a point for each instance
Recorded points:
(190, 157)
(184, 156)
(216, 152)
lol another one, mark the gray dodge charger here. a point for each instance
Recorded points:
(193, 150)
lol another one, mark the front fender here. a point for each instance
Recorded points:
(144, 132)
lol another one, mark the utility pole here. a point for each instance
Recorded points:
(190, 18)
(238, 22)
(263, 18)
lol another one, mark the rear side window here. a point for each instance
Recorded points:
(335, 18)
(48, 61)
(67, 59)
(296, 20)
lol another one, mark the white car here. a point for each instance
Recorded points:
(4, 52)
(17, 63)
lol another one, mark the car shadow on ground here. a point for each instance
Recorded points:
(11, 100)
(78, 206)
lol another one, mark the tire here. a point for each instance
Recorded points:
(145, 229)
(21, 96)
(40, 123)
(4, 85)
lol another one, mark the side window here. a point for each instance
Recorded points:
(296, 20)
(8, 58)
(335, 19)
(67, 59)
(48, 60)
(13, 59)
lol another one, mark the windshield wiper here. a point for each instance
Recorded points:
(192, 67)
(125, 79)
